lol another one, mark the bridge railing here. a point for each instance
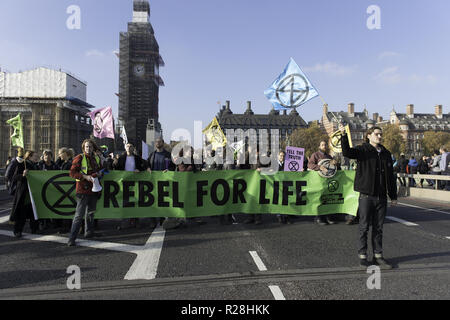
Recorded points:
(434, 177)
(434, 193)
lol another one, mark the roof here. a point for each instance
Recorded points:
(358, 121)
(227, 118)
(425, 121)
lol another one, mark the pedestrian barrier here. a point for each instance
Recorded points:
(432, 193)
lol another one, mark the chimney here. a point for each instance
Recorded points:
(249, 104)
(379, 119)
(325, 108)
(227, 104)
(410, 110)
(438, 111)
(351, 109)
(375, 117)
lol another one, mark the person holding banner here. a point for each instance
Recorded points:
(313, 164)
(129, 161)
(85, 169)
(22, 208)
(374, 179)
(283, 218)
(159, 160)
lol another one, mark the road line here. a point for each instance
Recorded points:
(145, 266)
(80, 242)
(4, 210)
(448, 238)
(276, 291)
(4, 219)
(406, 223)
(258, 261)
(426, 209)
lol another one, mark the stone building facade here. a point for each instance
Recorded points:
(53, 110)
(139, 79)
(412, 125)
(284, 122)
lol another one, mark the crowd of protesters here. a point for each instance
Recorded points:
(436, 164)
(94, 161)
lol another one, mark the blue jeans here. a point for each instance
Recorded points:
(86, 206)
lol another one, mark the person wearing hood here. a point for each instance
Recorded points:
(412, 169)
(22, 208)
(374, 180)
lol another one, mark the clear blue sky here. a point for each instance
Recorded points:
(219, 50)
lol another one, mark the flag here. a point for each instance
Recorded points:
(335, 140)
(123, 135)
(103, 123)
(291, 89)
(214, 134)
(144, 150)
(17, 137)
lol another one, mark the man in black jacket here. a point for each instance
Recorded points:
(374, 180)
(129, 161)
(159, 160)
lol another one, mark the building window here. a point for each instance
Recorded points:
(45, 135)
(47, 111)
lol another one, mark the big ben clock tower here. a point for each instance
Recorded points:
(139, 79)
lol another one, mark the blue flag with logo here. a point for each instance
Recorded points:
(291, 89)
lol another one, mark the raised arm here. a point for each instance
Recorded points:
(348, 152)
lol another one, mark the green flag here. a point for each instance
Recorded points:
(17, 137)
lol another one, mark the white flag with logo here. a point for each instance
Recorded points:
(123, 135)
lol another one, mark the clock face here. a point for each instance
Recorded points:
(139, 70)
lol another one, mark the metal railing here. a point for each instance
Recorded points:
(434, 177)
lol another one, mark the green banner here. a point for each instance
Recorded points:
(187, 194)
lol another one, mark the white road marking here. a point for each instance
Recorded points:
(276, 291)
(448, 238)
(5, 210)
(146, 264)
(80, 242)
(258, 261)
(406, 223)
(426, 209)
(4, 219)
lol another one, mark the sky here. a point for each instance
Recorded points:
(217, 50)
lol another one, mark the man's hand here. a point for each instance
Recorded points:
(149, 170)
(136, 171)
(342, 128)
(394, 203)
(25, 172)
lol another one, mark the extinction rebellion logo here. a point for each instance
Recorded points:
(333, 185)
(289, 94)
(57, 195)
